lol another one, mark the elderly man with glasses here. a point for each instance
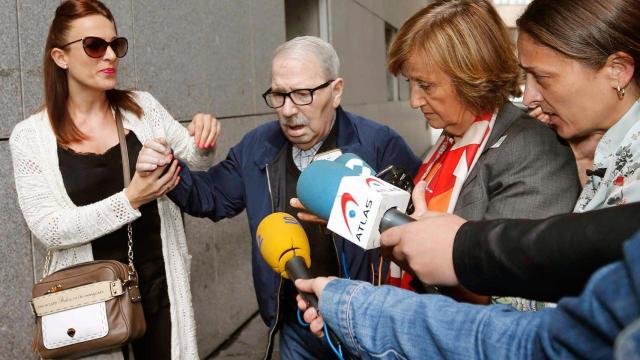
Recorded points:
(260, 175)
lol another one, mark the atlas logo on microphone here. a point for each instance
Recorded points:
(359, 205)
(351, 209)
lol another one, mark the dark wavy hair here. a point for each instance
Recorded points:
(56, 88)
(587, 30)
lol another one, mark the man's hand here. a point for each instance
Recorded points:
(205, 129)
(142, 190)
(155, 153)
(424, 248)
(305, 215)
(311, 316)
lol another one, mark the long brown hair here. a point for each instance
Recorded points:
(56, 88)
(469, 42)
(588, 31)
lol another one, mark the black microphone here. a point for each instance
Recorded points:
(297, 269)
(394, 217)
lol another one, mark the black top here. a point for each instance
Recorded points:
(541, 259)
(89, 178)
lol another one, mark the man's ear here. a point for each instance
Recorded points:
(338, 87)
(60, 58)
(621, 68)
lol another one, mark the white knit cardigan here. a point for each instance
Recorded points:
(67, 230)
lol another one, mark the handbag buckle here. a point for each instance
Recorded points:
(54, 289)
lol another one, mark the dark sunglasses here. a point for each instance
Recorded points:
(96, 47)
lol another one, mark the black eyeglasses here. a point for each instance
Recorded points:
(276, 99)
(96, 47)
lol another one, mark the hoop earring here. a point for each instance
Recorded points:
(620, 92)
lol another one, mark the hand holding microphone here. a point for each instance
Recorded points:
(357, 206)
(285, 247)
(433, 234)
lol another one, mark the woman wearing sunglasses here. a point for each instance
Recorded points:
(69, 175)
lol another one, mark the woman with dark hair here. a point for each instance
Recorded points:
(582, 92)
(69, 176)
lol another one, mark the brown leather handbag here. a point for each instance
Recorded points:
(89, 307)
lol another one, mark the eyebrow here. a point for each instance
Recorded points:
(526, 68)
(416, 78)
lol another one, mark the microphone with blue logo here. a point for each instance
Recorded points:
(357, 205)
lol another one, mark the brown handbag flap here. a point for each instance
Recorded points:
(80, 274)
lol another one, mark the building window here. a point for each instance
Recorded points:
(302, 17)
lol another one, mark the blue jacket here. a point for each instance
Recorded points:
(251, 178)
(389, 323)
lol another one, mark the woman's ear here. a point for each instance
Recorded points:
(338, 88)
(621, 69)
(60, 58)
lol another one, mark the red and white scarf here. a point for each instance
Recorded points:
(445, 170)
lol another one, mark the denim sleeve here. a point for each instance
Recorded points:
(390, 323)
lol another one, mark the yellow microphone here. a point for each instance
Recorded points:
(285, 247)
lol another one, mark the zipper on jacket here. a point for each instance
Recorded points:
(273, 208)
(272, 331)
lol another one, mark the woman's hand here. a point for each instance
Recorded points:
(144, 189)
(315, 286)
(205, 129)
(424, 248)
(304, 215)
(154, 153)
(540, 115)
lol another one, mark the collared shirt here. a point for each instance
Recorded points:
(619, 153)
(302, 158)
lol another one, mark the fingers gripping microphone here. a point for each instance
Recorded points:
(357, 207)
(285, 247)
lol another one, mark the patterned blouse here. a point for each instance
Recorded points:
(619, 153)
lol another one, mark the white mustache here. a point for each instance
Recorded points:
(296, 120)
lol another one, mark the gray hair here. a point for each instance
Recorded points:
(316, 47)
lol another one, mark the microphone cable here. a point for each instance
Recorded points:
(336, 350)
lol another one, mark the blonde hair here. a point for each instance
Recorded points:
(468, 41)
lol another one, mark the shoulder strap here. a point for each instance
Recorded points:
(126, 172)
(123, 149)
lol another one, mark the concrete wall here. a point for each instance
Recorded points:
(196, 55)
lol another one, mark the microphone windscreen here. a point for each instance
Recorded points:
(281, 237)
(318, 186)
(355, 163)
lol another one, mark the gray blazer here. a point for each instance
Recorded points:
(524, 171)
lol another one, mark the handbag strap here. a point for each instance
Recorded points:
(126, 173)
